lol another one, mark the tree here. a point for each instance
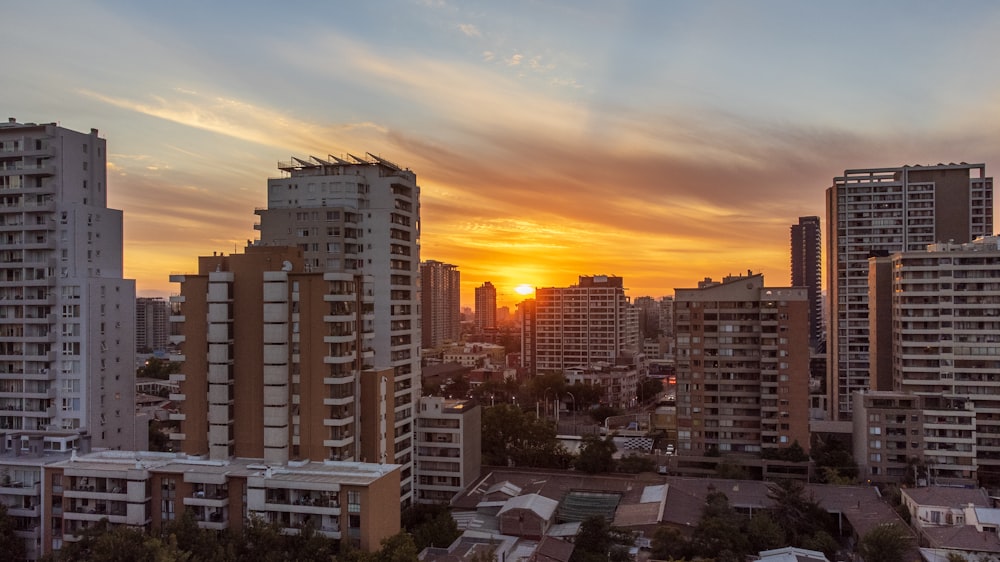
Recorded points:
(513, 437)
(201, 544)
(634, 464)
(596, 455)
(597, 541)
(793, 511)
(718, 534)
(834, 461)
(104, 543)
(10, 544)
(885, 543)
(430, 525)
(649, 389)
(586, 395)
(601, 413)
(764, 533)
(398, 548)
(822, 541)
(668, 544)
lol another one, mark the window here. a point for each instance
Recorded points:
(354, 501)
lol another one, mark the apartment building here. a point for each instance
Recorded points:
(742, 366)
(361, 216)
(449, 448)
(486, 307)
(876, 212)
(66, 314)
(888, 433)
(526, 311)
(619, 381)
(352, 502)
(287, 356)
(806, 251)
(582, 324)
(152, 324)
(942, 328)
(441, 303)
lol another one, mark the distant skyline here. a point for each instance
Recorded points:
(662, 142)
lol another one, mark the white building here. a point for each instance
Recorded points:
(362, 216)
(449, 447)
(941, 341)
(66, 315)
(880, 211)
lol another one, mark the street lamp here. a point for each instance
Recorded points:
(573, 411)
(545, 400)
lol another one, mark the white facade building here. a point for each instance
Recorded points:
(449, 447)
(66, 315)
(946, 348)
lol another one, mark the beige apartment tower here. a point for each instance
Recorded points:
(286, 357)
(356, 217)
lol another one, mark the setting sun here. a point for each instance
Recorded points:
(524, 289)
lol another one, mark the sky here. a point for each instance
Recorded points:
(659, 141)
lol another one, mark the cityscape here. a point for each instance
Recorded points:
(230, 329)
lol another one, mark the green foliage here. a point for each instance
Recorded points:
(718, 533)
(430, 525)
(634, 464)
(10, 544)
(885, 543)
(834, 461)
(649, 389)
(792, 453)
(822, 541)
(158, 438)
(595, 455)
(601, 413)
(798, 515)
(731, 471)
(764, 533)
(545, 386)
(668, 543)
(597, 541)
(457, 387)
(586, 395)
(513, 437)
(103, 543)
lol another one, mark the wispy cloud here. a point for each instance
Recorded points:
(469, 30)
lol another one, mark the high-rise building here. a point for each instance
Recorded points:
(880, 211)
(742, 366)
(942, 332)
(345, 341)
(441, 303)
(526, 311)
(152, 324)
(486, 307)
(583, 324)
(66, 314)
(806, 271)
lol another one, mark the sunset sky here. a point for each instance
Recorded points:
(659, 141)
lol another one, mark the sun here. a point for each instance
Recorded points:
(524, 289)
